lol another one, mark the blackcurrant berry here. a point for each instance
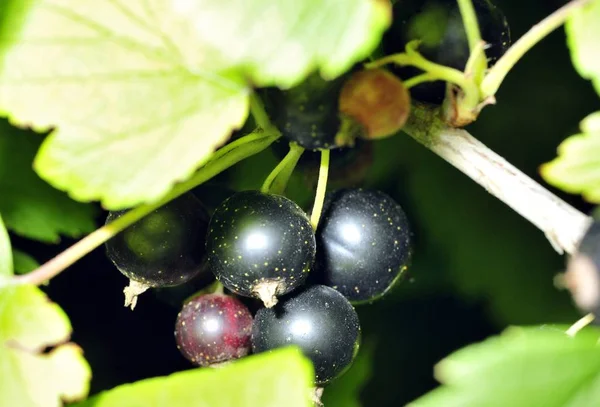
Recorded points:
(364, 243)
(307, 113)
(583, 271)
(438, 25)
(165, 248)
(213, 328)
(260, 245)
(317, 319)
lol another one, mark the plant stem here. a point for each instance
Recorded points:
(439, 71)
(220, 161)
(219, 288)
(261, 118)
(563, 225)
(412, 58)
(471, 25)
(419, 79)
(580, 324)
(321, 189)
(478, 64)
(277, 180)
(498, 72)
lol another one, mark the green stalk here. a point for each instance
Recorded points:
(219, 162)
(321, 189)
(467, 12)
(278, 179)
(257, 109)
(538, 32)
(435, 71)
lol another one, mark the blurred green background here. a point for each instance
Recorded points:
(478, 267)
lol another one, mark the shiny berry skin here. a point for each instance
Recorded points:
(438, 24)
(307, 113)
(166, 247)
(260, 245)
(213, 328)
(317, 319)
(364, 244)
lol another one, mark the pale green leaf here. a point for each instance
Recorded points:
(583, 37)
(280, 378)
(32, 376)
(142, 92)
(577, 167)
(280, 42)
(23, 262)
(123, 85)
(30, 207)
(6, 259)
(524, 367)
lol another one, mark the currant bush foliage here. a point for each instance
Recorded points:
(575, 169)
(281, 378)
(31, 324)
(532, 366)
(30, 207)
(129, 85)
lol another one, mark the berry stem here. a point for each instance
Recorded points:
(563, 225)
(415, 59)
(467, 12)
(580, 324)
(224, 158)
(278, 179)
(469, 17)
(417, 80)
(440, 72)
(257, 109)
(321, 189)
(498, 72)
(219, 289)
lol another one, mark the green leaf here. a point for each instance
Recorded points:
(32, 377)
(345, 391)
(577, 167)
(30, 206)
(279, 378)
(583, 37)
(122, 84)
(524, 367)
(6, 259)
(23, 262)
(142, 92)
(279, 43)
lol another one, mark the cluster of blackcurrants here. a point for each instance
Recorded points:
(263, 246)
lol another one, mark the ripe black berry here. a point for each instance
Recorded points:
(307, 113)
(317, 319)
(438, 24)
(260, 245)
(363, 243)
(213, 328)
(583, 271)
(165, 248)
